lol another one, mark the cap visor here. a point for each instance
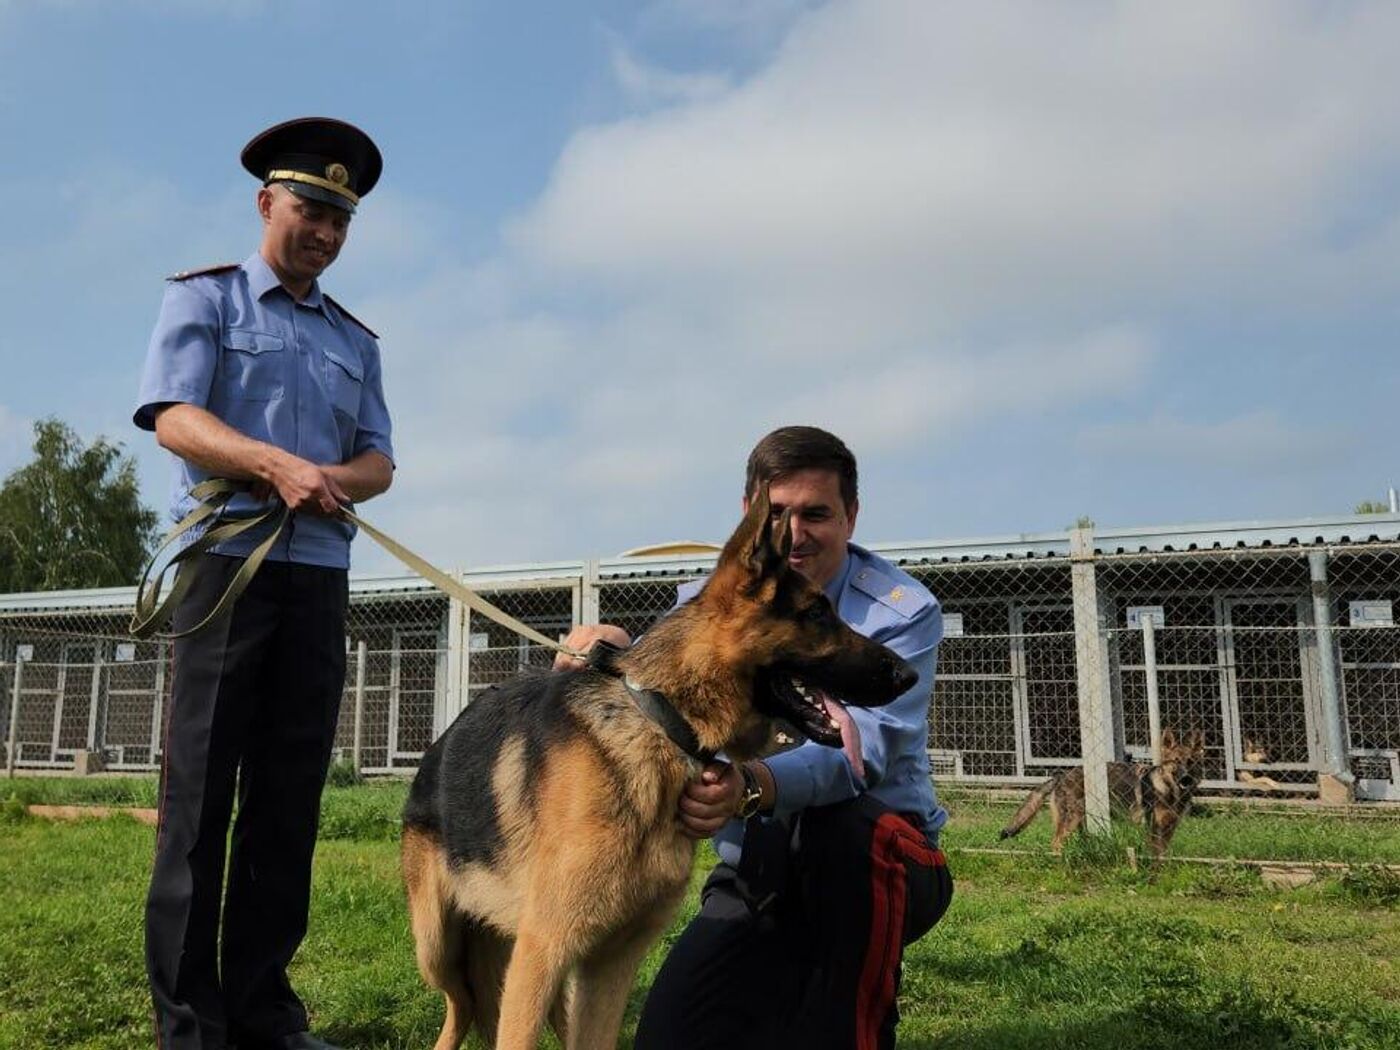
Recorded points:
(315, 193)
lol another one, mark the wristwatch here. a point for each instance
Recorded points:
(749, 800)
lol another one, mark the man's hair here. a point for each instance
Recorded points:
(790, 449)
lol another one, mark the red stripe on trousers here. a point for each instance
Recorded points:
(894, 842)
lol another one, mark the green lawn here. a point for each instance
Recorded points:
(1035, 951)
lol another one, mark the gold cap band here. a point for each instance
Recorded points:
(282, 175)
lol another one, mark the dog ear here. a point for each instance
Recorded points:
(1168, 738)
(759, 547)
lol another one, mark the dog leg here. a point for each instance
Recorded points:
(437, 935)
(533, 979)
(605, 977)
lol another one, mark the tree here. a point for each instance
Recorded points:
(1369, 506)
(73, 517)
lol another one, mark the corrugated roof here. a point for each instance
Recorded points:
(1354, 529)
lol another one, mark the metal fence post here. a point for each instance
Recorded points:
(356, 739)
(96, 731)
(1154, 703)
(589, 588)
(1335, 783)
(456, 691)
(10, 744)
(1095, 708)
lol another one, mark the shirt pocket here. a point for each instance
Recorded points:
(345, 375)
(253, 365)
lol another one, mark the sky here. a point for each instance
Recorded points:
(1131, 261)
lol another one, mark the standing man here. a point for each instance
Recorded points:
(829, 860)
(253, 372)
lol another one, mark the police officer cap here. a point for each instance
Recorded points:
(317, 158)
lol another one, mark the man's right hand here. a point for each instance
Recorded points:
(581, 639)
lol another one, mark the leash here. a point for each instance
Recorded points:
(213, 495)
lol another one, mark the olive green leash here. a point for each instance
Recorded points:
(212, 496)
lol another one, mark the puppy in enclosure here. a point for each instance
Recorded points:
(541, 849)
(1157, 796)
(1253, 752)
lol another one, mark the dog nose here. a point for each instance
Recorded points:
(904, 678)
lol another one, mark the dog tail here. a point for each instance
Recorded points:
(1029, 809)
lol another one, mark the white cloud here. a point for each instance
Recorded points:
(751, 20)
(646, 85)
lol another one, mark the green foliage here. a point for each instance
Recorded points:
(1372, 884)
(12, 811)
(1370, 506)
(342, 774)
(73, 516)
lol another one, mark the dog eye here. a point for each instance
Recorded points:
(814, 613)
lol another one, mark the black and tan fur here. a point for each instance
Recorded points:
(541, 848)
(1157, 796)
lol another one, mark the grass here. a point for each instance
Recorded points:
(1035, 951)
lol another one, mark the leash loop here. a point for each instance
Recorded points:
(212, 496)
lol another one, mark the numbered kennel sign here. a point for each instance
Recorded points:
(952, 625)
(1138, 613)
(1372, 614)
(125, 653)
(24, 652)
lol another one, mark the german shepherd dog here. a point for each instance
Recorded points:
(541, 848)
(1252, 752)
(1157, 796)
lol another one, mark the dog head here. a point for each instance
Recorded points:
(783, 633)
(1182, 757)
(1254, 752)
(1187, 750)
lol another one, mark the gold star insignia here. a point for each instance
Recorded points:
(337, 173)
(896, 594)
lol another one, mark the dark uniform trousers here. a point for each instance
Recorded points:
(254, 708)
(802, 945)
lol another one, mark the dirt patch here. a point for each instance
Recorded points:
(144, 816)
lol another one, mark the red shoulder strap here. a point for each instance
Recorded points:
(351, 316)
(185, 275)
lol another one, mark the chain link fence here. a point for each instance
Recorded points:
(1059, 651)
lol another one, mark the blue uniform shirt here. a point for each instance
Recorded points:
(883, 603)
(303, 376)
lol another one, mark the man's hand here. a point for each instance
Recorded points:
(307, 488)
(581, 639)
(709, 803)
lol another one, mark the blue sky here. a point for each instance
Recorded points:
(1132, 260)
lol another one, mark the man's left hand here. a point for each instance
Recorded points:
(709, 803)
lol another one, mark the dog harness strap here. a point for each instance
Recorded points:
(661, 711)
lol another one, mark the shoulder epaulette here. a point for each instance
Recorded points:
(185, 275)
(905, 598)
(351, 316)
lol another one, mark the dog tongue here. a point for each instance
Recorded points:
(850, 733)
